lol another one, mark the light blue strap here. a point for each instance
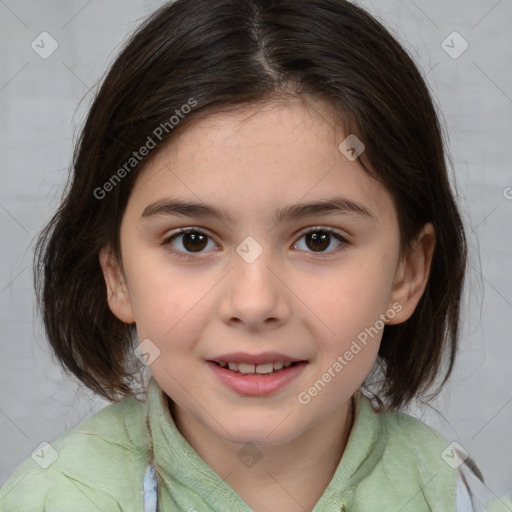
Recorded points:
(463, 499)
(150, 487)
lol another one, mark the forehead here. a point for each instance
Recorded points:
(272, 123)
(262, 156)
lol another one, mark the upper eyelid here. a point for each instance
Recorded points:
(205, 231)
(300, 233)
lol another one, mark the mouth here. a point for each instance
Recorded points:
(268, 368)
(263, 377)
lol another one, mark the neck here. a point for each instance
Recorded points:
(289, 477)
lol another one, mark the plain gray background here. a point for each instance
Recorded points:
(43, 101)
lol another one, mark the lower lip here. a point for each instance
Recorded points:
(257, 385)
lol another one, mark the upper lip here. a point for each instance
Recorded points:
(264, 357)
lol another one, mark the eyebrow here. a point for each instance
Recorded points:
(336, 205)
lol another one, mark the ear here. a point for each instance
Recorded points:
(412, 275)
(118, 296)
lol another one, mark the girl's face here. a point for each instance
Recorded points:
(261, 277)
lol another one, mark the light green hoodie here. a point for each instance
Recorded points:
(392, 462)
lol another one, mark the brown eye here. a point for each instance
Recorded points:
(194, 241)
(319, 239)
(188, 242)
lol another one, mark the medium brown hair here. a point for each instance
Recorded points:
(226, 54)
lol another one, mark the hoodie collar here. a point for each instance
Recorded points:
(177, 461)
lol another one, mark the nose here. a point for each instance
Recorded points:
(255, 295)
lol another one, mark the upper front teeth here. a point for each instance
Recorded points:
(254, 368)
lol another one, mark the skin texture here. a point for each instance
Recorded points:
(303, 302)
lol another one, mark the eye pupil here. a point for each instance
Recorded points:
(194, 241)
(320, 241)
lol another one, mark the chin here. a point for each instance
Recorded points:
(259, 432)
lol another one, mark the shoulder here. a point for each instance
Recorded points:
(35, 490)
(447, 463)
(417, 453)
(403, 468)
(408, 431)
(100, 459)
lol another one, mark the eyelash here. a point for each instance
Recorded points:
(192, 256)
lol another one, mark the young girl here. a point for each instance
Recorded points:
(260, 215)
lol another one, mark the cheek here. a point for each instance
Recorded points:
(347, 300)
(166, 301)
(171, 313)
